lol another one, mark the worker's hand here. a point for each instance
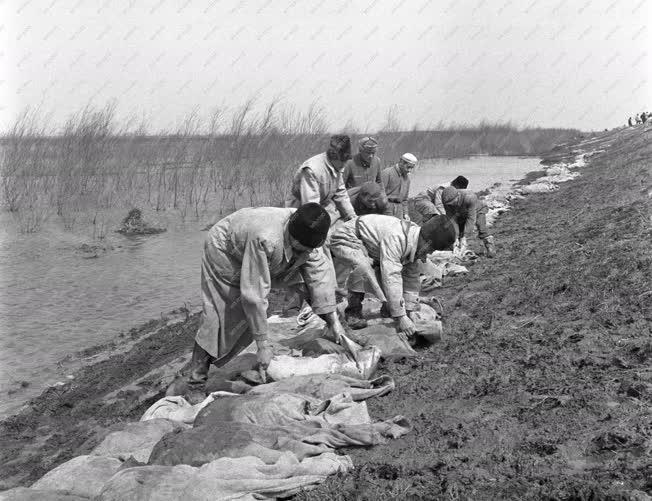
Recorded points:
(406, 326)
(406, 217)
(456, 247)
(264, 357)
(334, 329)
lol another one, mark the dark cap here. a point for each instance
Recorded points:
(439, 232)
(460, 182)
(309, 224)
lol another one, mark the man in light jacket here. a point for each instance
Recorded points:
(319, 180)
(245, 255)
(380, 254)
(396, 182)
(462, 206)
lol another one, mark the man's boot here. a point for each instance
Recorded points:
(353, 312)
(490, 246)
(384, 311)
(193, 388)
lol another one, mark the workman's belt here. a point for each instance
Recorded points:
(395, 200)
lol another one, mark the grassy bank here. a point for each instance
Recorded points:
(540, 389)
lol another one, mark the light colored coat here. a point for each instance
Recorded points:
(397, 189)
(245, 255)
(316, 180)
(391, 244)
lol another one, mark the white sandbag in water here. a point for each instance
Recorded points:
(136, 439)
(81, 476)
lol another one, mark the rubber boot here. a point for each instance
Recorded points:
(193, 387)
(353, 312)
(384, 311)
(490, 246)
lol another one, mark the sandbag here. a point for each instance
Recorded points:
(224, 479)
(325, 386)
(363, 367)
(283, 408)
(81, 476)
(178, 409)
(27, 494)
(136, 439)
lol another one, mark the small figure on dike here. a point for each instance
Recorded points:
(379, 254)
(364, 166)
(245, 255)
(396, 181)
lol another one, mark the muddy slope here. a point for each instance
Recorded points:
(543, 387)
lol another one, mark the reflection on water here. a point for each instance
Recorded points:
(54, 302)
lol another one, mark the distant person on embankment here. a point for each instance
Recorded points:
(364, 166)
(462, 206)
(396, 182)
(379, 254)
(630, 122)
(319, 180)
(245, 255)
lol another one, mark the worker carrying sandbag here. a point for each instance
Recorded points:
(245, 255)
(379, 254)
(460, 204)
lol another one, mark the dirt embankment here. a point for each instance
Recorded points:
(541, 388)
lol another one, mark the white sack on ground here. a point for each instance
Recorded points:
(81, 476)
(178, 409)
(224, 479)
(136, 439)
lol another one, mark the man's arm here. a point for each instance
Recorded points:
(319, 276)
(309, 186)
(391, 273)
(435, 197)
(255, 284)
(342, 201)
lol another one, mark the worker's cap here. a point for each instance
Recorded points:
(368, 144)
(409, 158)
(449, 195)
(460, 182)
(309, 224)
(339, 148)
(439, 232)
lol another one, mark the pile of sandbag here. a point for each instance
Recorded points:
(554, 174)
(272, 441)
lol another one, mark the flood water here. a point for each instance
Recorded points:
(54, 303)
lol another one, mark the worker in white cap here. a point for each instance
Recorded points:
(396, 180)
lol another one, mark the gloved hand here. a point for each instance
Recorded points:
(406, 326)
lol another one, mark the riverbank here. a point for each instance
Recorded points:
(539, 388)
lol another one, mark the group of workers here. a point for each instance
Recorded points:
(638, 119)
(345, 231)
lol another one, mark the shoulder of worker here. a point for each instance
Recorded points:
(467, 197)
(263, 223)
(315, 162)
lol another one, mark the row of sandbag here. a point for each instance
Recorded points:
(272, 441)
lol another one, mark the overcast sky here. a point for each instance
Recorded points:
(560, 63)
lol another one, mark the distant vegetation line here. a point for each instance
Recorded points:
(94, 164)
